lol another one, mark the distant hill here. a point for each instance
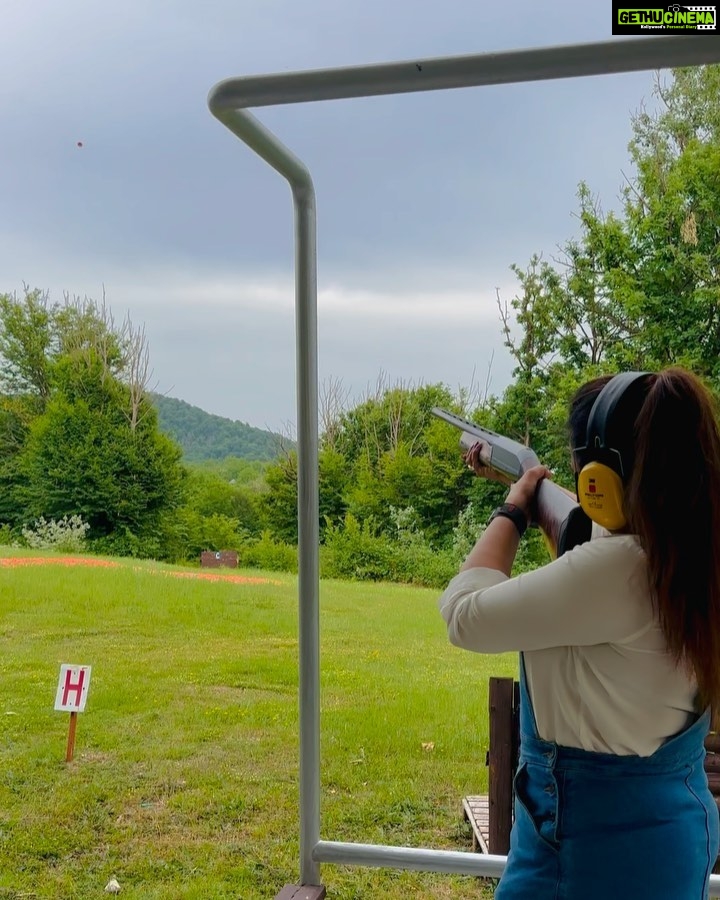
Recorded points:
(205, 436)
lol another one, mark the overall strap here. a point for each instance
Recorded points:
(528, 725)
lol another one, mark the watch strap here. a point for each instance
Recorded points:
(514, 513)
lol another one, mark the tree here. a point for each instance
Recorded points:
(280, 502)
(535, 308)
(672, 208)
(27, 343)
(81, 459)
(596, 277)
(388, 452)
(81, 436)
(208, 494)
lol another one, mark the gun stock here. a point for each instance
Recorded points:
(559, 517)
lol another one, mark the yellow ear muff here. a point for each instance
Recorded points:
(600, 494)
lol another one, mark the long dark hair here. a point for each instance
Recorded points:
(672, 503)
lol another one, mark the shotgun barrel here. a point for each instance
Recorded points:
(559, 517)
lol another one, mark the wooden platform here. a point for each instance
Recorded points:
(477, 811)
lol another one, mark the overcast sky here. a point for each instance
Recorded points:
(424, 201)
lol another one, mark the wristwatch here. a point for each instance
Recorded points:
(514, 513)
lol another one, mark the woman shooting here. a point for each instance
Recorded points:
(620, 649)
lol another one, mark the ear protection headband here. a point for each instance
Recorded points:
(606, 460)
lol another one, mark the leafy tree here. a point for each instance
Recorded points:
(188, 533)
(387, 452)
(400, 455)
(27, 344)
(672, 209)
(208, 494)
(80, 437)
(280, 502)
(534, 310)
(595, 281)
(334, 477)
(82, 460)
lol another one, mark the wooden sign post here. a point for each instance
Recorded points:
(71, 697)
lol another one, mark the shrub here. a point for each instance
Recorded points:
(184, 533)
(267, 553)
(358, 551)
(465, 534)
(354, 550)
(532, 552)
(405, 523)
(413, 559)
(422, 564)
(66, 535)
(123, 542)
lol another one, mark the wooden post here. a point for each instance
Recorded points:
(301, 892)
(501, 764)
(71, 737)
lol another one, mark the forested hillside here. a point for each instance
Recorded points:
(205, 436)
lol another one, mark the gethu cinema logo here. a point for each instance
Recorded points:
(677, 16)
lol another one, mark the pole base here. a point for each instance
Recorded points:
(301, 892)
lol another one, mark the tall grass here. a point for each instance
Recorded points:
(184, 781)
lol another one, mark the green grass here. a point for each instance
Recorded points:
(184, 781)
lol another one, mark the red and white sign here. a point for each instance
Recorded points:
(72, 688)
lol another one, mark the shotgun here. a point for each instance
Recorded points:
(559, 517)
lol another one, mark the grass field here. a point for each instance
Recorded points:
(184, 781)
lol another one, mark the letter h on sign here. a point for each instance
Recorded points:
(72, 688)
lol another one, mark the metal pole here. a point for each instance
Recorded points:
(450, 861)
(308, 530)
(442, 73)
(245, 126)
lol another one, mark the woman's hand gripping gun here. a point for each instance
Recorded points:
(559, 517)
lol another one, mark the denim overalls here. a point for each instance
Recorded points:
(596, 826)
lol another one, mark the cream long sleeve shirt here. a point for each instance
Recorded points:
(599, 675)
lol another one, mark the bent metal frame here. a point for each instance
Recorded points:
(229, 102)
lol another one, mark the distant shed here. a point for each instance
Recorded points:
(225, 559)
